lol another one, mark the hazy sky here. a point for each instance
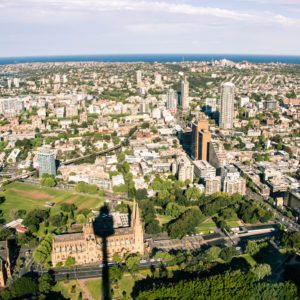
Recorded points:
(50, 27)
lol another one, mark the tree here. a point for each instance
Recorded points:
(228, 253)
(67, 207)
(23, 286)
(164, 256)
(70, 261)
(153, 227)
(80, 219)
(212, 254)
(261, 271)
(145, 125)
(227, 285)
(42, 253)
(34, 218)
(193, 193)
(83, 187)
(141, 194)
(252, 248)
(58, 220)
(6, 233)
(185, 223)
(115, 273)
(116, 258)
(45, 283)
(292, 240)
(48, 181)
(132, 263)
(173, 209)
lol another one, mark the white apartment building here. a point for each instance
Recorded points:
(227, 105)
(212, 185)
(184, 169)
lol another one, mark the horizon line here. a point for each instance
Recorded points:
(147, 54)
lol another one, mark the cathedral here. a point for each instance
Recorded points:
(88, 246)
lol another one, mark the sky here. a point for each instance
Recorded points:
(71, 27)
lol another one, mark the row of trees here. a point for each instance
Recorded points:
(229, 285)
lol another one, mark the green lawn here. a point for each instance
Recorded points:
(205, 227)
(234, 223)
(251, 261)
(65, 287)
(94, 287)
(125, 284)
(27, 196)
(163, 219)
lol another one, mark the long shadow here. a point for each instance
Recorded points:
(103, 228)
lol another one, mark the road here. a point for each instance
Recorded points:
(88, 271)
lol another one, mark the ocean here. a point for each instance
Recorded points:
(289, 59)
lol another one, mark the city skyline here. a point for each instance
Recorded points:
(65, 27)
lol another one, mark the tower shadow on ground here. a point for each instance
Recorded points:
(103, 228)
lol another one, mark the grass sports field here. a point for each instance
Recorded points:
(27, 196)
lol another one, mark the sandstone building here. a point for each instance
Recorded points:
(87, 247)
(5, 264)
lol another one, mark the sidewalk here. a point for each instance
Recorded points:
(84, 289)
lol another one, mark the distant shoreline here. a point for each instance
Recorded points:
(150, 58)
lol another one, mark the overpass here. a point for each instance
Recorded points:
(18, 177)
(73, 160)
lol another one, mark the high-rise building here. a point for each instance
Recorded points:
(184, 168)
(200, 139)
(232, 182)
(185, 101)
(210, 105)
(138, 77)
(212, 185)
(144, 107)
(9, 83)
(46, 160)
(226, 106)
(232, 185)
(17, 82)
(172, 99)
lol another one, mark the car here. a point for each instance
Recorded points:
(143, 261)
